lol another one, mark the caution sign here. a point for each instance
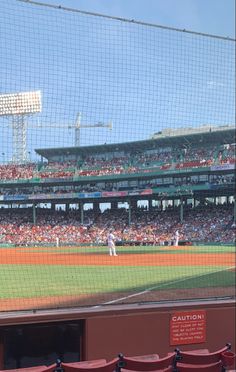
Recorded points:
(188, 327)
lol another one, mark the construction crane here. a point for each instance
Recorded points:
(78, 126)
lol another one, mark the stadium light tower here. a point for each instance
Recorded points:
(78, 126)
(18, 106)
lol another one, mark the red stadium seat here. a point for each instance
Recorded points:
(87, 363)
(105, 367)
(228, 358)
(214, 367)
(196, 358)
(168, 369)
(134, 364)
(146, 357)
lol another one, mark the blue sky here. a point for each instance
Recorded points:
(208, 16)
(144, 79)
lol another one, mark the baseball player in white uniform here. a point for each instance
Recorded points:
(176, 241)
(111, 244)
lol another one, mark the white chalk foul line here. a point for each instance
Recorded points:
(162, 285)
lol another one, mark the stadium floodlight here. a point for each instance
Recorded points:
(23, 103)
(78, 126)
(18, 106)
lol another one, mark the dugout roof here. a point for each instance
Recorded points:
(201, 139)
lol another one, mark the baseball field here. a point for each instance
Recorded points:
(57, 277)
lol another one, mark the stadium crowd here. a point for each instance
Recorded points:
(213, 223)
(128, 164)
(17, 172)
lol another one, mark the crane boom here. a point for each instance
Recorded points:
(97, 125)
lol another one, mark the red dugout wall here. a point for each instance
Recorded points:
(137, 329)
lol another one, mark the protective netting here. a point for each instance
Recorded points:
(113, 127)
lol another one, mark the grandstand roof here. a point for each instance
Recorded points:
(223, 136)
(167, 132)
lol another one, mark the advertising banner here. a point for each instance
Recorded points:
(37, 196)
(15, 197)
(52, 179)
(114, 193)
(222, 167)
(145, 192)
(84, 195)
(140, 192)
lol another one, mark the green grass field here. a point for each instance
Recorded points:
(30, 281)
(140, 249)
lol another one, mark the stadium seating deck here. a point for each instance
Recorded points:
(92, 166)
(220, 360)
